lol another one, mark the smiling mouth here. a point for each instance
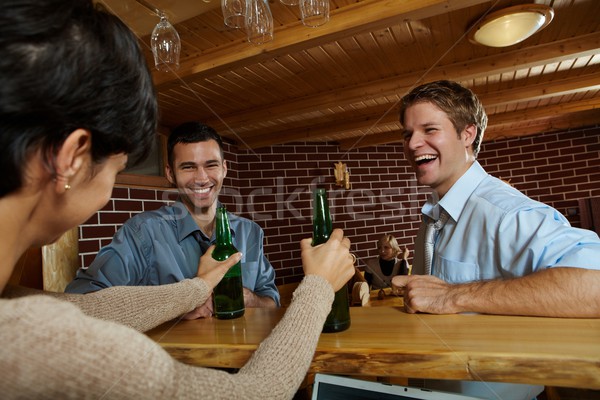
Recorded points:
(424, 159)
(201, 190)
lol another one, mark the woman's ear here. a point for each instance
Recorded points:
(70, 158)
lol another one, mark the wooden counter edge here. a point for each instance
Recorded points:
(567, 372)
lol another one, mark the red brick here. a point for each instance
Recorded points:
(98, 231)
(89, 246)
(120, 193)
(142, 194)
(539, 149)
(113, 217)
(126, 205)
(588, 186)
(153, 205)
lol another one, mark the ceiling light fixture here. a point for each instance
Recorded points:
(511, 25)
(164, 41)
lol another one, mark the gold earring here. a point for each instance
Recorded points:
(67, 186)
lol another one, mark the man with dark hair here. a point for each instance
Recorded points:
(164, 246)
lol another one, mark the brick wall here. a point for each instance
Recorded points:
(273, 187)
(554, 168)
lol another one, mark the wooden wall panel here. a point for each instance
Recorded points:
(60, 261)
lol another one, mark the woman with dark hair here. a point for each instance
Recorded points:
(76, 101)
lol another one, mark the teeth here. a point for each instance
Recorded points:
(202, 191)
(425, 157)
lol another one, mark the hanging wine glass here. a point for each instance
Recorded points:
(314, 12)
(289, 2)
(234, 13)
(259, 22)
(166, 45)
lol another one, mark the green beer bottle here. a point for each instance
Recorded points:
(339, 317)
(228, 295)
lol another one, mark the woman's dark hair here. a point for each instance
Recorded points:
(65, 65)
(192, 132)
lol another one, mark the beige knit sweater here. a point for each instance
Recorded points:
(89, 347)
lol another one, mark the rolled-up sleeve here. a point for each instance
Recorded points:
(258, 274)
(120, 263)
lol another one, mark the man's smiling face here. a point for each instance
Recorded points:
(198, 172)
(437, 153)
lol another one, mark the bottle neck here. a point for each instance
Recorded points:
(222, 231)
(321, 218)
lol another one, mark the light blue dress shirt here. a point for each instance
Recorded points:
(495, 231)
(164, 246)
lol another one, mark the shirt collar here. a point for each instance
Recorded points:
(456, 198)
(186, 225)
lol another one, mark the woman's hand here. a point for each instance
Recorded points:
(331, 260)
(211, 270)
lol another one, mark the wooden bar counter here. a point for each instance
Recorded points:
(384, 341)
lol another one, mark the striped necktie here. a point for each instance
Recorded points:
(433, 227)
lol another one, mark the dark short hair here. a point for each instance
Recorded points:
(192, 132)
(66, 65)
(460, 104)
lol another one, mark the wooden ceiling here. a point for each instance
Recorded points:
(341, 82)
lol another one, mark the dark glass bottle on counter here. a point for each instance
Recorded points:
(228, 295)
(339, 317)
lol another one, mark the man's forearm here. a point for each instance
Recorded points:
(253, 300)
(553, 292)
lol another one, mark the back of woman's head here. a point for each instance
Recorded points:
(65, 65)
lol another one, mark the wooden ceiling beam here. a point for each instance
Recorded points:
(499, 132)
(545, 112)
(551, 124)
(342, 123)
(543, 119)
(370, 140)
(363, 16)
(521, 92)
(543, 90)
(580, 46)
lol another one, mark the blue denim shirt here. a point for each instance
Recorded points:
(161, 247)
